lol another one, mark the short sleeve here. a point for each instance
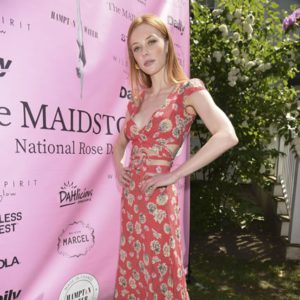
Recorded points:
(193, 85)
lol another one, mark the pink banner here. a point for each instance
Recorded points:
(64, 91)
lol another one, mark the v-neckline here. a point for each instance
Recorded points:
(163, 105)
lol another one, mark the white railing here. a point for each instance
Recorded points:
(288, 173)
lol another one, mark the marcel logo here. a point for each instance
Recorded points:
(76, 240)
(4, 66)
(10, 295)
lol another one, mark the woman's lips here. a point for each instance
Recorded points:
(149, 62)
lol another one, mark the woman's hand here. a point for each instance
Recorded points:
(153, 181)
(123, 176)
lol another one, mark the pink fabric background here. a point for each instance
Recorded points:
(43, 242)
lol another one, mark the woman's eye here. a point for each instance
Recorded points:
(151, 42)
(136, 49)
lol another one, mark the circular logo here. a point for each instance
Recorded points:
(81, 286)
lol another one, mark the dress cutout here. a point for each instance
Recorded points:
(150, 259)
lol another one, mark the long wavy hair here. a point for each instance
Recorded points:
(141, 80)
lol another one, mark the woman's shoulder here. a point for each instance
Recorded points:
(192, 85)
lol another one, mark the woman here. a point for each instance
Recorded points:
(164, 105)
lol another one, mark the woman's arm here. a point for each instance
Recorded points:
(118, 154)
(223, 138)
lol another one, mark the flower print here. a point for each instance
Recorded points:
(158, 169)
(155, 246)
(131, 297)
(136, 275)
(151, 207)
(142, 266)
(137, 246)
(162, 199)
(142, 218)
(165, 125)
(129, 265)
(158, 114)
(132, 283)
(129, 227)
(174, 106)
(148, 126)
(169, 295)
(166, 250)
(123, 281)
(172, 242)
(162, 269)
(123, 240)
(167, 228)
(159, 215)
(179, 273)
(155, 259)
(170, 281)
(138, 227)
(163, 288)
(178, 233)
(123, 255)
(134, 129)
(130, 198)
(146, 259)
(143, 137)
(136, 209)
(176, 132)
(156, 234)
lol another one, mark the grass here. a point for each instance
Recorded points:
(242, 264)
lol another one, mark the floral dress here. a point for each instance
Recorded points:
(150, 261)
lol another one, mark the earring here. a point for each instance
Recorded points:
(137, 67)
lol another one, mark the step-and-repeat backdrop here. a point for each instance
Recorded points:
(63, 94)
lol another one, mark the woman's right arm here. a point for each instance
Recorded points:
(122, 173)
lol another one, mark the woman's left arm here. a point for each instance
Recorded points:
(223, 138)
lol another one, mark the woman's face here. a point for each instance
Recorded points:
(149, 49)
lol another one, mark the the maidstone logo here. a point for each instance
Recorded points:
(10, 295)
(76, 240)
(4, 66)
(71, 194)
(80, 287)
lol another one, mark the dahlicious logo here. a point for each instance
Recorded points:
(71, 194)
(4, 66)
(76, 240)
(81, 286)
(10, 295)
(8, 222)
(7, 263)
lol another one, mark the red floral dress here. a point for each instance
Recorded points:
(150, 261)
